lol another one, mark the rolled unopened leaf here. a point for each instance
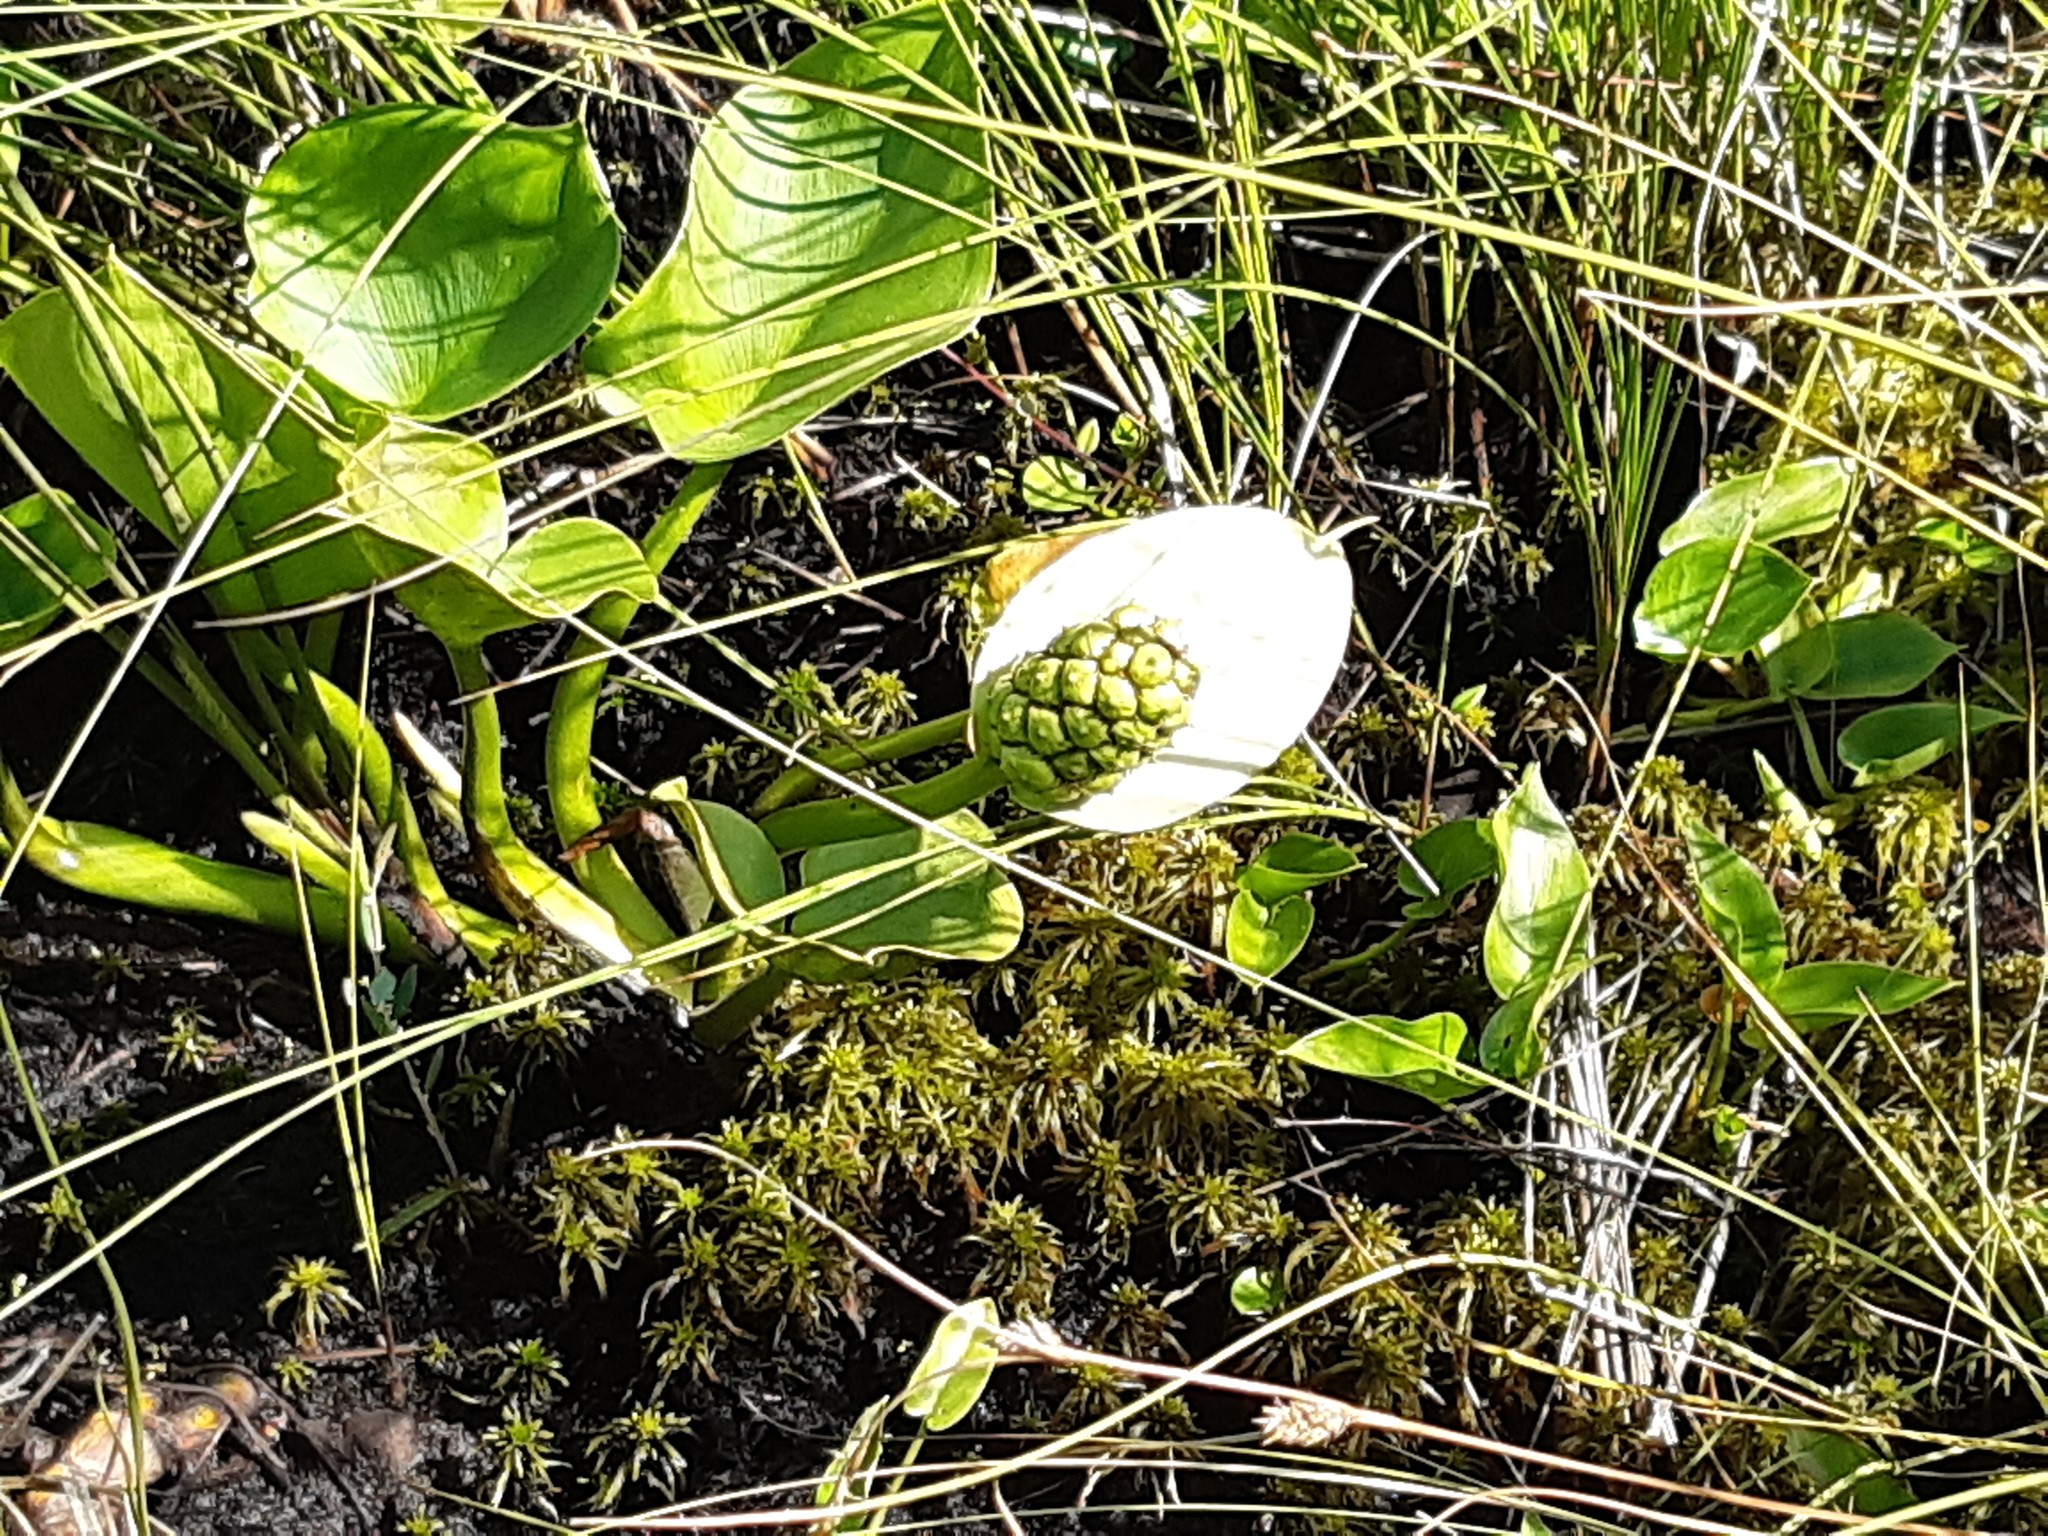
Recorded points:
(1156, 666)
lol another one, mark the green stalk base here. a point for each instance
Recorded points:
(841, 821)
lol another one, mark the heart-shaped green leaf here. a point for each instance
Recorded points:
(1403, 1053)
(430, 503)
(1681, 591)
(743, 867)
(1832, 991)
(1458, 855)
(1865, 656)
(1265, 939)
(164, 411)
(1737, 906)
(1780, 503)
(1828, 1459)
(945, 903)
(824, 243)
(1296, 862)
(47, 545)
(424, 259)
(1903, 739)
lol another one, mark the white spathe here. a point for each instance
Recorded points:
(1263, 610)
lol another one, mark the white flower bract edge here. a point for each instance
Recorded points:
(1262, 608)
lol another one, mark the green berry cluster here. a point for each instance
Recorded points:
(1071, 720)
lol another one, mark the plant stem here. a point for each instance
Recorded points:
(350, 733)
(192, 691)
(726, 1020)
(572, 792)
(530, 887)
(926, 736)
(483, 748)
(120, 866)
(1815, 763)
(243, 645)
(1364, 957)
(843, 820)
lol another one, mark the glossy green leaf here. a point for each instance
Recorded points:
(1833, 991)
(430, 502)
(1057, 485)
(1903, 739)
(1458, 855)
(823, 244)
(426, 491)
(1296, 862)
(1866, 656)
(47, 544)
(1540, 926)
(1672, 617)
(1828, 1458)
(1403, 1053)
(1736, 903)
(1265, 939)
(1511, 1045)
(743, 867)
(1781, 503)
(971, 911)
(163, 412)
(1973, 549)
(955, 1367)
(425, 259)
(1256, 1292)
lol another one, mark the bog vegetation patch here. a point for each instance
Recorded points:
(1256, 763)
